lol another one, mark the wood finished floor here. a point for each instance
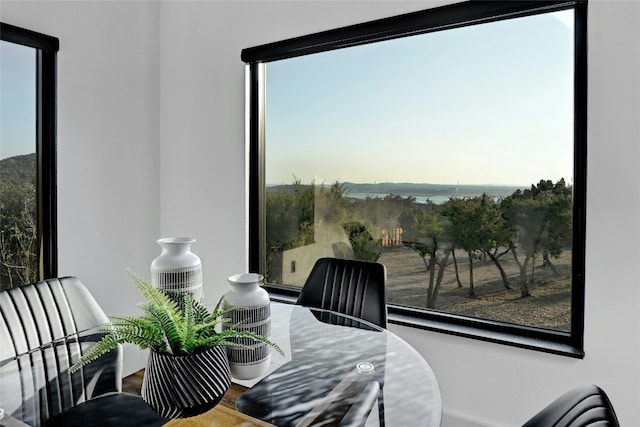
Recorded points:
(133, 384)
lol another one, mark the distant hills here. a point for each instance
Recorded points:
(418, 190)
(18, 169)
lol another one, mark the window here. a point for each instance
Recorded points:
(27, 156)
(447, 144)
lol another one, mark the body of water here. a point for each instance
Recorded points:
(438, 200)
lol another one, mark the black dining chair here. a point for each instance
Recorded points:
(352, 287)
(580, 407)
(44, 329)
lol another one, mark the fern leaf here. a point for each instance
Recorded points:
(102, 347)
(140, 331)
(228, 335)
(260, 339)
(165, 310)
(189, 325)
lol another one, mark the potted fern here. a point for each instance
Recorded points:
(188, 371)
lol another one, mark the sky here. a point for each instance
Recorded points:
(17, 100)
(485, 104)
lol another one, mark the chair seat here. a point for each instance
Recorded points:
(109, 410)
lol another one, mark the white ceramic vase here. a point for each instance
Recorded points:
(177, 269)
(254, 311)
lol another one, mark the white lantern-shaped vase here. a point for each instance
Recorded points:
(254, 313)
(177, 269)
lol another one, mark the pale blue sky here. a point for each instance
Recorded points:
(17, 100)
(488, 104)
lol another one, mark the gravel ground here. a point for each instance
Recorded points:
(549, 305)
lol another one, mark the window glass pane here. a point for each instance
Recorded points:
(19, 252)
(446, 156)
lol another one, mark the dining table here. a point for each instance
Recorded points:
(338, 370)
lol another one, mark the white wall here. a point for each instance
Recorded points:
(108, 144)
(153, 92)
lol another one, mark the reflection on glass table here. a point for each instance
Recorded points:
(32, 380)
(342, 371)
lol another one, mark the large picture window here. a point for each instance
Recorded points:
(448, 145)
(27, 156)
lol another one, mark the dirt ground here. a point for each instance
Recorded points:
(549, 305)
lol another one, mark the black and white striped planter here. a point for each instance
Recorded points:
(184, 386)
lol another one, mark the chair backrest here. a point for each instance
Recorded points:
(583, 406)
(352, 287)
(43, 331)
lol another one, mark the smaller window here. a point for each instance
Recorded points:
(28, 250)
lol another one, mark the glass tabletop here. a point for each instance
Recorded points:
(339, 370)
(27, 378)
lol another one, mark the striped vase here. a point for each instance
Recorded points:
(253, 314)
(177, 269)
(185, 386)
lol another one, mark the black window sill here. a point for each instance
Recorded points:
(546, 341)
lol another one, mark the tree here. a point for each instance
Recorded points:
(426, 232)
(465, 227)
(363, 245)
(330, 205)
(18, 222)
(381, 212)
(540, 220)
(289, 219)
(479, 229)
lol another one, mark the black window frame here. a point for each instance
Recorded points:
(47, 48)
(450, 16)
